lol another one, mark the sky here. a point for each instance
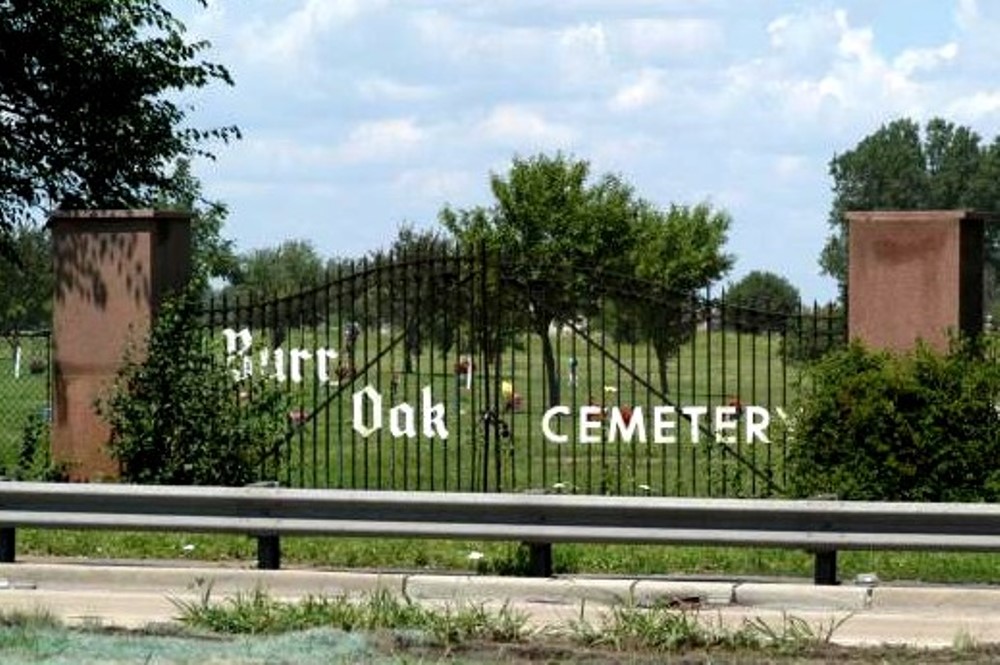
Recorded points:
(361, 115)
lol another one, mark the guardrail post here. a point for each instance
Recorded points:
(8, 541)
(539, 559)
(825, 568)
(269, 552)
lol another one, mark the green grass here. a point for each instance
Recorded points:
(509, 558)
(20, 397)
(712, 369)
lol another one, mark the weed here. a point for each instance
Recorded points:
(794, 634)
(257, 613)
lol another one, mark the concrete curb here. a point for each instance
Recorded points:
(643, 592)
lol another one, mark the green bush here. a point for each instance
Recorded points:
(908, 427)
(33, 458)
(179, 417)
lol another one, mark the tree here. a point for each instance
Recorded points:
(89, 115)
(419, 290)
(27, 279)
(762, 301)
(291, 266)
(898, 167)
(549, 221)
(676, 252)
(287, 273)
(211, 254)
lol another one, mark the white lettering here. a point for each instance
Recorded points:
(755, 428)
(299, 356)
(324, 358)
(627, 427)
(725, 420)
(402, 421)
(279, 364)
(547, 424)
(238, 350)
(662, 427)
(432, 416)
(359, 411)
(590, 419)
(694, 413)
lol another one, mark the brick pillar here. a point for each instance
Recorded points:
(915, 275)
(112, 269)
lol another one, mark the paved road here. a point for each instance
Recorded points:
(137, 595)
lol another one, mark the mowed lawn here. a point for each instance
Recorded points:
(507, 450)
(494, 423)
(21, 396)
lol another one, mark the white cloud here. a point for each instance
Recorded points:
(581, 52)
(287, 40)
(911, 61)
(790, 167)
(659, 37)
(380, 88)
(436, 185)
(646, 89)
(517, 125)
(474, 42)
(975, 106)
(809, 79)
(967, 14)
(382, 139)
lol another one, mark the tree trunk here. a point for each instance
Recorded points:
(549, 361)
(662, 353)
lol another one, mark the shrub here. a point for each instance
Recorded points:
(33, 458)
(179, 417)
(910, 427)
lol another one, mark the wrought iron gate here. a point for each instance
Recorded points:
(480, 348)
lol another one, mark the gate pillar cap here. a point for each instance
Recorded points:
(113, 214)
(920, 215)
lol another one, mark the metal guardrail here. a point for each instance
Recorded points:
(821, 527)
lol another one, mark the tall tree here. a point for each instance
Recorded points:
(27, 284)
(89, 110)
(420, 292)
(550, 220)
(677, 252)
(900, 167)
(212, 254)
(761, 301)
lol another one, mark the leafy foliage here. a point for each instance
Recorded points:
(211, 254)
(27, 279)
(178, 417)
(281, 270)
(899, 167)
(34, 461)
(551, 220)
(912, 427)
(762, 301)
(564, 235)
(676, 252)
(88, 110)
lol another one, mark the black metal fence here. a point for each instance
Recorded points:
(467, 372)
(25, 394)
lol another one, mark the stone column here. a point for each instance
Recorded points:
(112, 269)
(915, 275)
